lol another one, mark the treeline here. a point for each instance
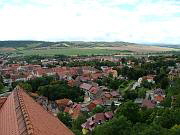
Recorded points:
(52, 88)
(16, 44)
(131, 120)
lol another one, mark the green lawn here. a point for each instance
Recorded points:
(71, 51)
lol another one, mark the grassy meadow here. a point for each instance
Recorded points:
(72, 51)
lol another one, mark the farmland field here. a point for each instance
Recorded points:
(7, 49)
(72, 51)
(78, 48)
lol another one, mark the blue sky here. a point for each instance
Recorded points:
(140, 21)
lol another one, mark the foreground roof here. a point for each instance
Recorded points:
(21, 115)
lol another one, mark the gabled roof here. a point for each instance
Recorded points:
(94, 90)
(148, 103)
(85, 86)
(21, 115)
(63, 102)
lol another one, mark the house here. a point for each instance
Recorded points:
(87, 99)
(149, 78)
(71, 83)
(158, 95)
(148, 103)
(91, 90)
(110, 95)
(74, 110)
(114, 73)
(138, 101)
(95, 76)
(85, 86)
(88, 69)
(158, 91)
(95, 92)
(108, 103)
(105, 68)
(94, 103)
(27, 117)
(174, 73)
(62, 103)
(135, 85)
(43, 71)
(95, 120)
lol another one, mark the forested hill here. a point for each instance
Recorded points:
(81, 44)
(16, 44)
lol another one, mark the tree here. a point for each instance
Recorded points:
(142, 93)
(1, 79)
(154, 130)
(77, 132)
(113, 107)
(168, 118)
(177, 101)
(166, 102)
(175, 130)
(174, 89)
(130, 95)
(1, 86)
(60, 89)
(147, 84)
(116, 126)
(26, 86)
(164, 83)
(98, 109)
(65, 118)
(130, 110)
(76, 124)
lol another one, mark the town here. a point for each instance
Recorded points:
(99, 95)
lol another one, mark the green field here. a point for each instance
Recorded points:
(72, 51)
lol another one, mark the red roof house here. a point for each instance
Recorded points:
(148, 103)
(21, 115)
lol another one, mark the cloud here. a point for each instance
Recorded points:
(89, 20)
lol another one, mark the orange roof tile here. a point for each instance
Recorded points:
(159, 98)
(2, 101)
(20, 114)
(64, 102)
(8, 118)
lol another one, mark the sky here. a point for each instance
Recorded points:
(139, 21)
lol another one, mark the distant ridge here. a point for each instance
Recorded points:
(33, 43)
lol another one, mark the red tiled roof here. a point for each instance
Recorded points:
(98, 101)
(85, 86)
(95, 76)
(148, 103)
(159, 98)
(63, 102)
(94, 90)
(8, 118)
(114, 93)
(107, 95)
(20, 114)
(99, 117)
(2, 101)
(91, 106)
(67, 109)
(108, 115)
(76, 113)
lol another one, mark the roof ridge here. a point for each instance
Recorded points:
(26, 118)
